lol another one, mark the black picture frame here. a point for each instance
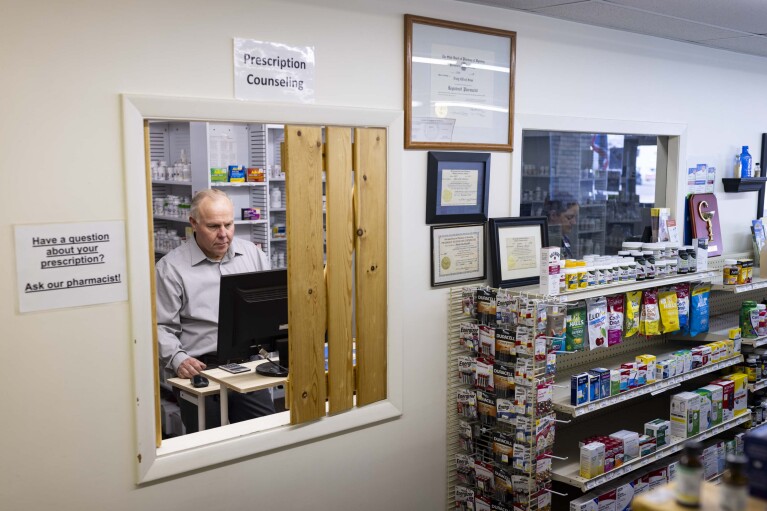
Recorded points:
(526, 236)
(453, 256)
(468, 175)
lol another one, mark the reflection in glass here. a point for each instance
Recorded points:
(595, 189)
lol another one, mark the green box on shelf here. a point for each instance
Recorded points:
(219, 175)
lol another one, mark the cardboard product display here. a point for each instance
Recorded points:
(704, 219)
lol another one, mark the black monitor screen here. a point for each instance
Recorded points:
(253, 314)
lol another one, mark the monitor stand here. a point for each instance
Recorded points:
(272, 370)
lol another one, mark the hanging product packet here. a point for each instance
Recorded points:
(633, 301)
(615, 313)
(575, 329)
(597, 320)
(669, 310)
(486, 306)
(683, 303)
(699, 308)
(649, 317)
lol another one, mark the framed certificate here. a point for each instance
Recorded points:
(459, 85)
(515, 249)
(457, 253)
(457, 186)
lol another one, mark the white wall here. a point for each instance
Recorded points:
(67, 426)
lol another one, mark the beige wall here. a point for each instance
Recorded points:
(67, 418)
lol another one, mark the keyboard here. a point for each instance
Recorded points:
(234, 368)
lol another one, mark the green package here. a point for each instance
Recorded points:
(576, 327)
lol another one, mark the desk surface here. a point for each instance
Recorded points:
(185, 384)
(244, 382)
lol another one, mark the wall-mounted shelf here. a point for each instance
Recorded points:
(743, 184)
(748, 184)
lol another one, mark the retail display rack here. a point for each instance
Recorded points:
(629, 409)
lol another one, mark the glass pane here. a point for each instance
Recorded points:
(596, 189)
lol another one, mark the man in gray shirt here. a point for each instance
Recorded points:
(188, 282)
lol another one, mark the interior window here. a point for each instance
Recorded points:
(596, 189)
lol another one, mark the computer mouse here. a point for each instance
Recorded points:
(199, 381)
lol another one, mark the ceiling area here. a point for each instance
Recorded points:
(734, 25)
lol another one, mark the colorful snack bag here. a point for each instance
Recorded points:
(597, 319)
(615, 310)
(649, 318)
(669, 310)
(633, 301)
(576, 327)
(683, 303)
(699, 309)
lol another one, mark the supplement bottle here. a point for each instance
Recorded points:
(689, 475)
(734, 493)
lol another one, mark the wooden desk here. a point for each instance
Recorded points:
(662, 499)
(195, 395)
(241, 382)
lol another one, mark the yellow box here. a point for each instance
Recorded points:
(741, 392)
(730, 344)
(650, 362)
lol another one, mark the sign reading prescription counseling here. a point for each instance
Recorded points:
(266, 71)
(66, 265)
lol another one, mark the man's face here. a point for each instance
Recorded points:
(215, 227)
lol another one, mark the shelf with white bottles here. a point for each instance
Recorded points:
(171, 182)
(622, 287)
(249, 222)
(172, 218)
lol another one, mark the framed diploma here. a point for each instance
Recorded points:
(459, 85)
(457, 253)
(515, 249)
(457, 186)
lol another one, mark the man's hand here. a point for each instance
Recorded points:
(190, 367)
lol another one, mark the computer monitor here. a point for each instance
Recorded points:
(253, 315)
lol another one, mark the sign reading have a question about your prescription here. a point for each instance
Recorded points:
(265, 71)
(67, 265)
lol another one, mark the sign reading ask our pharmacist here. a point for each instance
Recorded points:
(265, 71)
(66, 265)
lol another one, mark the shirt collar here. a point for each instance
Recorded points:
(198, 256)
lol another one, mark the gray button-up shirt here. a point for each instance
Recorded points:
(187, 297)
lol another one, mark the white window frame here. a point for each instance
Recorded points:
(671, 150)
(246, 439)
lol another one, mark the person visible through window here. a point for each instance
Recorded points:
(562, 219)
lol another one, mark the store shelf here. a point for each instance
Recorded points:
(759, 385)
(277, 240)
(170, 182)
(171, 218)
(561, 397)
(222, 184)
(276, 179)
(744, 184)
(249, 222)
(612, 289)
(568, 471)
(756, 342)
(276, 209)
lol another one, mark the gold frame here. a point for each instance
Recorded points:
(410, 20)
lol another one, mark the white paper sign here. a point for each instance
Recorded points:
(67, 265)
(265, 71)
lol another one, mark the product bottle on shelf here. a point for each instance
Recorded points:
(736, 167)
(734, 484)
(745, 163)
(689, 475)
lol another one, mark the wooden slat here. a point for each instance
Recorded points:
(306, 284)
(340, 246)
(370, 266)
